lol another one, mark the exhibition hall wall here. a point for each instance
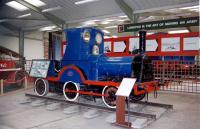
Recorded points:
(33, 45)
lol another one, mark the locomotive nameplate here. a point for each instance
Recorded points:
(126, 87)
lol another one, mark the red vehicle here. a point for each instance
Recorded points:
(10, 69)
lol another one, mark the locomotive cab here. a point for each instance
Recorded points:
(84, 47)
(83, 43)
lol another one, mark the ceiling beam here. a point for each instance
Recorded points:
(20, 19)
(54, 19)
(126, 9)
(10, 27)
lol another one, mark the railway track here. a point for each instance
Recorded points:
(139, 114)
(166, 106)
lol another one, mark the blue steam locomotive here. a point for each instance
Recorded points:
(85, 69)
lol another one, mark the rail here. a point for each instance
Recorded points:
(139, 114)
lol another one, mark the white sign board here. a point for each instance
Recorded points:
(107, 47)
(151, 45)
(126, 87)
(119, 46)
(192, 43)
(133, 44)
(170, 44)
(39, 68)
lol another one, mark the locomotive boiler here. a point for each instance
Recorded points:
(86, 70)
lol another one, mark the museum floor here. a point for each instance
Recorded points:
(185, 115)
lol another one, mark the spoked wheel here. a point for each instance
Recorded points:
(109, 97)
(136, 98)
(41, 87)
(69, 91)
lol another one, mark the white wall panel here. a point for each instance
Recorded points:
(33, 48)
(10, 42)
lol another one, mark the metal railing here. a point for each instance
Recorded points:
(179, 76)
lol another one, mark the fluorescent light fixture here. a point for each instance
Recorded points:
(37, 3)
(47, 28)
(96, 20)
(191, 7)
(52, 9)
(105, 22)
(109, 20)
(149, 33)
(110, 27)
(122, 20)
(196, 10)
(79, 26)
(178, 31)
(114, 36)
(149, 18)
(24, 15)
(84, 1)
(124, 16)
(106, 37)
(17, 6)
(177, 10)
(89, 23)
(106, 32)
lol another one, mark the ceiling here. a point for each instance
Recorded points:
(100, 13)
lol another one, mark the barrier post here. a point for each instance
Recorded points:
(2, 87)
(25, 82)
(163, 69)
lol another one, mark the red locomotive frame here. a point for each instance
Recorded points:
(148, 86)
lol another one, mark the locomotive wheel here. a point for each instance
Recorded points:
(41, 87)
(136, 98)
(70, 96)
(109, 97)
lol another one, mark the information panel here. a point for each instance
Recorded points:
(119, 46)
(191, 43)
(126, 87)
(151, 45)
(170, 44)
(39, 68)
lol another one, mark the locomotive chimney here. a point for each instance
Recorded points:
(142, 42)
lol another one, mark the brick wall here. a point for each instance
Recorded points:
(46, 45)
